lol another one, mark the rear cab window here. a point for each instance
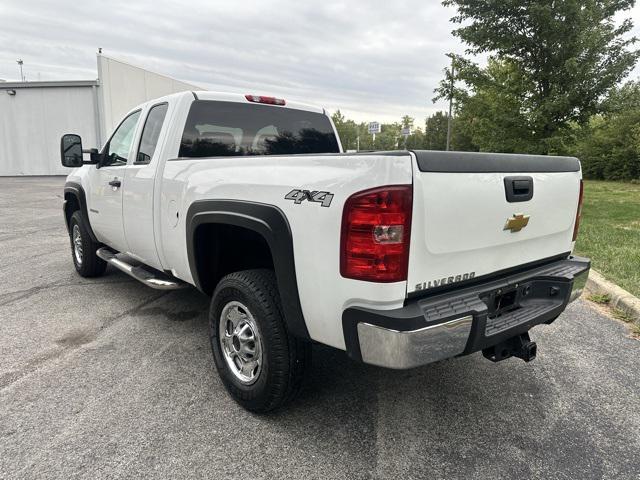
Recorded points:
(151, 133)
(216, 128)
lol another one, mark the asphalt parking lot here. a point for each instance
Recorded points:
(109, 379)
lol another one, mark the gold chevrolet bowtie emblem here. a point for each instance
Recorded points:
(517, 222)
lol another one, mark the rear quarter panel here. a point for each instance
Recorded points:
(324, 294)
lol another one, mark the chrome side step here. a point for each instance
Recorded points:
(150, 277)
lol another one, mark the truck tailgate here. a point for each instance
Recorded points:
(472, 215)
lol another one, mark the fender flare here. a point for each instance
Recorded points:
(76, 190)
(271, 223)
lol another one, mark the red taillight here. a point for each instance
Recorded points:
(267, 100)
(578, 213)
(376, 227)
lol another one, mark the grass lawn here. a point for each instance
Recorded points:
(610, 231)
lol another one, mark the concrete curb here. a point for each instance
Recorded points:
(620, 298)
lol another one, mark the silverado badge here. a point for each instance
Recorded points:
(517, 222)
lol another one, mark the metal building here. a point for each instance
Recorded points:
(34, 115)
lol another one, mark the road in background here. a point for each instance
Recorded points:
(107, 378)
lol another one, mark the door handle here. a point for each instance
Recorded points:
(115, 183)
(521, 187)
(518, 189)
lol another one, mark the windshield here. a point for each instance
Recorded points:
(229, 128)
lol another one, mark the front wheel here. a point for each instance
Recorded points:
(260, 364)
(83, 248)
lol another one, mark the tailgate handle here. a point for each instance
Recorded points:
(518, 189)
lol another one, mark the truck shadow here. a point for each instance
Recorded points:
(457, 412)
(335, 379)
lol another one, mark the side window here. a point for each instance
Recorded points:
(117, 151)
(151, 133)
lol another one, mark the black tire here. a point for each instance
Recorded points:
(284, 358)
(90, 265)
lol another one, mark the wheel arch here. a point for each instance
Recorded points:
(75, 199)
(271, 225)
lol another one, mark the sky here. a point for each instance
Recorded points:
(373, 60)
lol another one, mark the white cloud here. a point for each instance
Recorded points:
(373, 60)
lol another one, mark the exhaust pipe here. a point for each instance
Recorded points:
(520, 346)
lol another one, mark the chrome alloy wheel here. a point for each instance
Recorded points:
(77, 244)
(240, 341)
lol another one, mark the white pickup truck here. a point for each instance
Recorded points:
(399, 258)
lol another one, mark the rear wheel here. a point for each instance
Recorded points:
(260, 364)
(83, 248)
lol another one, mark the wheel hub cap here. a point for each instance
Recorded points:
(77, 244)
(241, 342)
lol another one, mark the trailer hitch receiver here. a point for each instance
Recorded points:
(519, 346)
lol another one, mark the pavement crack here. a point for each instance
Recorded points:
(110, 321)
(21, 234)
(31, 257)
(71, 344)
(12, 297)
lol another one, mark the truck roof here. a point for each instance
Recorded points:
(240, 98)
(229, 97)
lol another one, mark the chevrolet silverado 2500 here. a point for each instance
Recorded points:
(399, 258)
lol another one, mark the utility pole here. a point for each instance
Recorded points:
(449, 123)
(20, 62)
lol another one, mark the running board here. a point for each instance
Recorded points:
(150, 277)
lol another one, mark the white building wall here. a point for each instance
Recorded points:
(32, 122)
(123, 86)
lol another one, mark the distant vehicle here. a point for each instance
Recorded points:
(400, 258)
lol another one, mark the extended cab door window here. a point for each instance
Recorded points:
(138, 196)
(117, 150)
(151, 133)
(106, 185)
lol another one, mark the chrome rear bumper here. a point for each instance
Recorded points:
(465, 320)
(401, 350)
(579, 284)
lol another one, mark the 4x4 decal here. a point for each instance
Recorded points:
(299, 196)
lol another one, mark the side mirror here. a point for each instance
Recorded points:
(95, 157)
(71, 150)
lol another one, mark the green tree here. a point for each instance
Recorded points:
(609, 146)
(461, 138)
(416, 140)
(435, 132)
(347, 130)
(492, 115)
(366, 141)
(407, 121)
(389, 138)
(556, 58)
(413, 141)
(339, 122)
